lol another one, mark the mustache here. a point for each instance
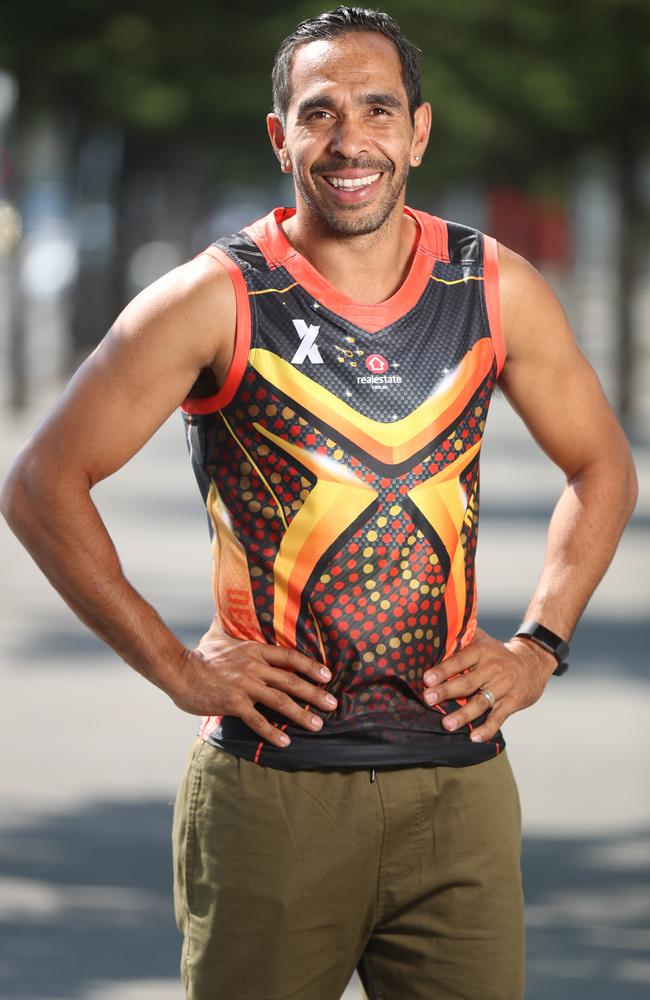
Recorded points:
(333, 166)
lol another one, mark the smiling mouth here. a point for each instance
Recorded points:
(352, 183)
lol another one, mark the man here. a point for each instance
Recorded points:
(349, 801)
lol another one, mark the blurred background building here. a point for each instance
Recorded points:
(131, 136)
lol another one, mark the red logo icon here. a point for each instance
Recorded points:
(376, 364)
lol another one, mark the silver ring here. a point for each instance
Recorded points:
(488, 694)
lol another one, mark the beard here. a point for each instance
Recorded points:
(360, 219)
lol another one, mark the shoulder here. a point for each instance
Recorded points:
(193, 305)
(187, 289)
(518, 277)
(532, 315)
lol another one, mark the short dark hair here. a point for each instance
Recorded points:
(341, 21)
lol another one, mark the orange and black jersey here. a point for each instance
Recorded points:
(339, 464)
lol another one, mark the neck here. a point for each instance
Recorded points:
(368, 268)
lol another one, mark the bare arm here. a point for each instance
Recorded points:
(132, 382)
(125, 390)
(555, 390)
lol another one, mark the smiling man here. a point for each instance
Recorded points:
(348, 802)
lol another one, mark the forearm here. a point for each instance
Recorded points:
(584, 532)
(62, 530)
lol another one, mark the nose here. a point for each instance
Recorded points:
(348, 139)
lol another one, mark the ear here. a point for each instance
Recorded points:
(421, 130)
(278, 141)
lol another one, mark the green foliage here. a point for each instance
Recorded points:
(515, 87)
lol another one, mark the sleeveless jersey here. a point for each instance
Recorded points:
(339, 463)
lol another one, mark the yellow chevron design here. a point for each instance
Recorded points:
(442, 501)
(390, 442)
(334, 503)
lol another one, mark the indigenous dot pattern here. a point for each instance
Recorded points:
(373, 608)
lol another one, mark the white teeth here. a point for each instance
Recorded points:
(352, 182)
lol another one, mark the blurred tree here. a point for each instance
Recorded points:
(518, 90)
(521, 90)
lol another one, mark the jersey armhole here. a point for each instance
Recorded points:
(210, 404)
(491, 285)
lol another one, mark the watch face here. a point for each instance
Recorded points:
(549, 641)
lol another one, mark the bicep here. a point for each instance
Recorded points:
(547, 378)
(139, 374)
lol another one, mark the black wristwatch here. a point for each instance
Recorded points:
(549, 641)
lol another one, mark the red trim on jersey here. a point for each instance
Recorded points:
(209, 404)
(491, 284)
(432, 245)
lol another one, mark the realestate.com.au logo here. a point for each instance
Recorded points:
(377, 365)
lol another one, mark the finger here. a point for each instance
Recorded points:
(280, 702)
(247, 712)
(298, 688)
(473, 709)
(292, 659)
(439, 673)
(491, 726)
(464, 660)
(461, 686)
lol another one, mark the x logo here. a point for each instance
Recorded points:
(308, 348)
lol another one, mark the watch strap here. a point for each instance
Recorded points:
(549, 641)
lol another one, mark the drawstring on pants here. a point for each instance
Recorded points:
(372, 774)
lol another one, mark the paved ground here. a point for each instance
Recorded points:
(92, 754)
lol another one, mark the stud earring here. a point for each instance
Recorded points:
(416, 158)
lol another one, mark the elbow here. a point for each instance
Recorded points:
(22, 493)
(624, 487)
(15, 497)
(614, 477)
(36, 492)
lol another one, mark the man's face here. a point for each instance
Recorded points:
(349, 137)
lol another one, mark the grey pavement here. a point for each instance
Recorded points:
(92, 754)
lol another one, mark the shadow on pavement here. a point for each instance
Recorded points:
(87, 897)
(588, 917)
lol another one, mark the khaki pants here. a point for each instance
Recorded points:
(285, 882)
